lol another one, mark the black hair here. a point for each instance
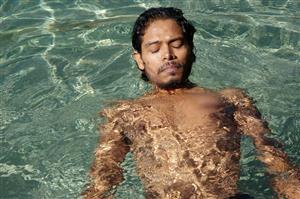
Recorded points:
(153, 14)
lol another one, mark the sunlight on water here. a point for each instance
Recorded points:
(63, 61)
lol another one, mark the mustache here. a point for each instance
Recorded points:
(167, 65)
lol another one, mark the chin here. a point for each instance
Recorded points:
(171, 84)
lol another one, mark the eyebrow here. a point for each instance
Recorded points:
(177, 38)
(151, 43)
(157, 42)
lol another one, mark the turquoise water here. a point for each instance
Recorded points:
(63, 61)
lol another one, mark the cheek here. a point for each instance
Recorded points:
(152, 65)
(150, 72)
(185, 55)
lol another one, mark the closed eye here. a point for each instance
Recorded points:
(154, 49)
(177, 43)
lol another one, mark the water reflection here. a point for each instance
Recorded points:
(61, 62)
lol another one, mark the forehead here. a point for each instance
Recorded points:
(162, 29)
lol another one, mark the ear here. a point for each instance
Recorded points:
(138, 59)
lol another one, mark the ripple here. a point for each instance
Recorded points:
(60, 62)
(8, 116)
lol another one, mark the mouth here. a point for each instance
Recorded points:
(169, 67)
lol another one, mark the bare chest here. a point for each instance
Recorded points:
(189, 123)
(186, 140)
(191, 112)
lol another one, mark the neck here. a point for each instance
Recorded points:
(175, 89)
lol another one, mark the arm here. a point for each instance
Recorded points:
(106, 171)
(286, 177)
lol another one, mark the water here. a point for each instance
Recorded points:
(63, 61)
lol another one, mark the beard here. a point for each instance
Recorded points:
(172, 84)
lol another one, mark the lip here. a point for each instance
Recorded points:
(170, 67)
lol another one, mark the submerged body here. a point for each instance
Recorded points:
(186, 144)
(185, 140)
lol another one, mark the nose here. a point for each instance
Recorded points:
(168, 53)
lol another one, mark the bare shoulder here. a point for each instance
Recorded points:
(233, 93)
(120, 109)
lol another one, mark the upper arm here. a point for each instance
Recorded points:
(106, 170)
(112, 140)
(247, 116)
(286, 177)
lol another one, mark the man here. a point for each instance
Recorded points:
(185, 139)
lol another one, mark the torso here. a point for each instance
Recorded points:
(186, 145)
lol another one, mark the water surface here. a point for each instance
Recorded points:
(63, 61)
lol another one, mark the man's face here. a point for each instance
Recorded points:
(165, 54)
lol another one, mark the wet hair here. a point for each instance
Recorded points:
(152, 14)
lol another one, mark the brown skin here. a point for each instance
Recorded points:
(165, 54)
(186, 141)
